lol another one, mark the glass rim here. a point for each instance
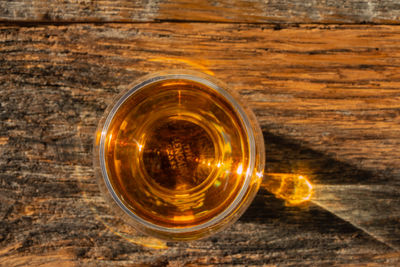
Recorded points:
(156, 77)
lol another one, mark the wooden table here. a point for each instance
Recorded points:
(322, 77)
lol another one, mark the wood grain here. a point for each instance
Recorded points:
(327, 97)
(254, 11)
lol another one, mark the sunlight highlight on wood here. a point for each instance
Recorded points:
(295, 189)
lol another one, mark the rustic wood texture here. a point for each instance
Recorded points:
(327, 97)
(254, 11)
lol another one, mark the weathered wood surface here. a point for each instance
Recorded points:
(327, 97)
(254, 11)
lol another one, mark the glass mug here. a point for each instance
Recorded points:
(177, 156)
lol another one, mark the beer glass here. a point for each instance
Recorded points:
(178, 156)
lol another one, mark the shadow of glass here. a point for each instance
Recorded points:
(286, 156)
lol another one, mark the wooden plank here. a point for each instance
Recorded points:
(259, 11)
(329, 109)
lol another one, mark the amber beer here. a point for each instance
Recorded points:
(179, 156)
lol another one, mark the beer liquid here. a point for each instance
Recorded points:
(176, 153)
